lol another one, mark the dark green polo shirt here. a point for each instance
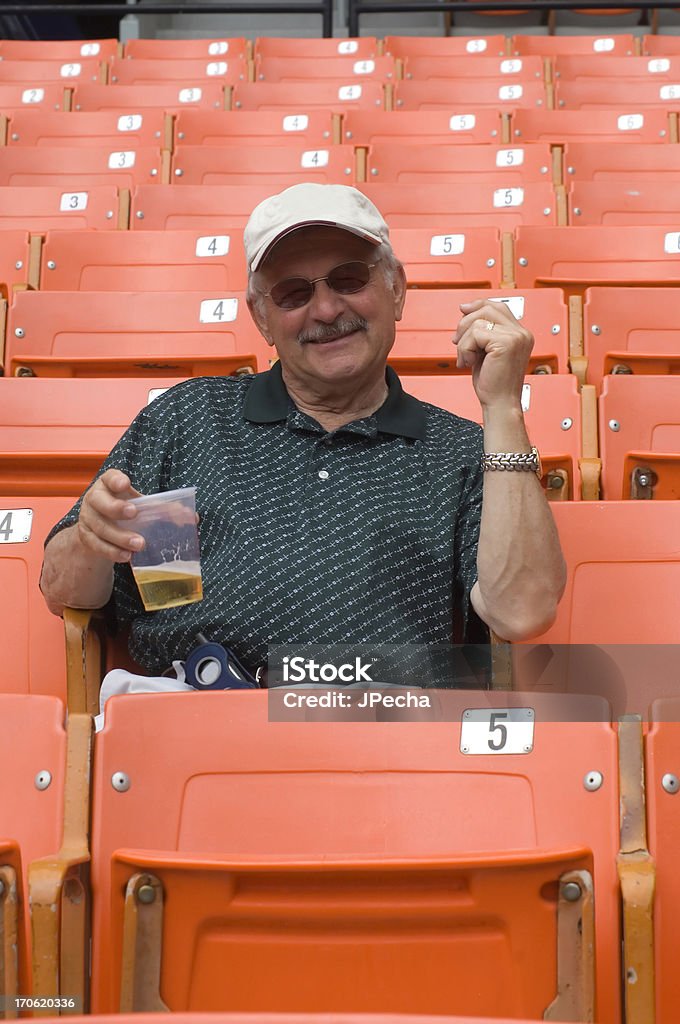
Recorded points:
(367, 534)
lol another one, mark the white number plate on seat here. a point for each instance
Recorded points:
(497, 731)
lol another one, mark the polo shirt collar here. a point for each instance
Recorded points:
(268, 401)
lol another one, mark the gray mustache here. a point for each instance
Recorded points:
(329, 332)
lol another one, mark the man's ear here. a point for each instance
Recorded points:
(260, 319)
(399, 288)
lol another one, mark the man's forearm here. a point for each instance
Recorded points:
(72, 576)
(521, 572)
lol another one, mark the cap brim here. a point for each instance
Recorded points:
(264, 250)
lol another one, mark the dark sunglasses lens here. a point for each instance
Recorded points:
(349, 277)
(292, 293)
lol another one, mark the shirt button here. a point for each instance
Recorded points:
(323, 474)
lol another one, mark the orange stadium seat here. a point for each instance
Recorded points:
(274, 46)
(620, 44)
(624, 202)
(185, 49)
(447, 164)
(507, 70)
(14, 260)
(29, 127)
(661, 746)
(310, 69)
(138, 334)
(631, 330)
(79, 168)
(130, 99)
(640, 437)
(424, 345)
(422, 127)
(35, 97)
(445, 46)
(142, 261)
(559, 126)
(595, 161)
(244, 165)
(40, 208)
(57, 49)
(620, 93)
(38, 72)
(493, 951)
(314, 128)
(208, 209)
(360, 94)
(440, 206)
(157, 72)
(552, 413)
(574, 67)
(575, 260)
(443, 93)
(56, 432)
(661, 46)
(470, 258)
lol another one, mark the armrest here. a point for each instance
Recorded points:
(83, 629)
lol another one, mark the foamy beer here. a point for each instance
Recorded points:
(168, 569)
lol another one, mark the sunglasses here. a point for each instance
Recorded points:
(346, 279)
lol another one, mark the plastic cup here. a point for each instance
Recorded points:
(167, 570)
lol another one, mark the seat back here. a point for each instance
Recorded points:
(126, 72)
(204, 94)
(38, 72)
(446, 164)
(451, 93)
(619, 93)
(57, 49)
(621, 44)
(313, 128)
(14, 260)
(445, 46)
(274, 46)
(469, 258)
(104, 128)
(217, 209)
(251, 164)
(620, 202)
(334, 95)
(82, 168)
(630, 124)
(186, 49)
(496, 204)
(42, 207)
(35, 96)
(311, 69)
(503, 70)
(422, 127)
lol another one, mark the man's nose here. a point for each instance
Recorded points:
(326, 304)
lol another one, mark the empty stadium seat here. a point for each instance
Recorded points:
(573, 67)
(445, 46)
(620, 44)
(506, 70)
(142, 261)
(430, 318)
(314, 128)
(631, 330)
(623, 202)
(661, 45)
(360, 94)
(640, 437)
(40, 208)
(38, 72)
(596, 255)
(422, 127)
(448, 164)
(443, 93)
(77, 169)
(552, 413)
(311, 69)
(619, 93)
(283, 857)
(439, 206)
(43, 97)
(595, 161)
(139, 334)
(185, 49)
(469, 258)
(214, 209)
(14, 260)
(57, 49)
(245, 165)
(152, 72)
(558, 126)
(28, 127)
(274, 46)
(130, 99)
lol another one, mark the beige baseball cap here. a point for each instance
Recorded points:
(308, 204)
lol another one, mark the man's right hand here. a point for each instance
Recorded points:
(104, 507)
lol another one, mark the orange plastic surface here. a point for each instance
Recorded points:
(595, 161)
(206, 94)
(186, 49)
(355, 92)
(314, 128)
(13, 260)
(620, 202)
(312, 69)
(222, 70)
(469, 258)
(139, 334)
(661, 46)
(640, 415)
(218, 208)
(619, 93)
(289, 1018)
(274, 46)
(502, 70)
(353, 812)
(97, 128)
(628, 125)
(633, 328)
(442, 207)
(445, 46)
(252, 164)
(36, 72)
(57, 49)
(75, 169)
(422, 127)
(407, 165)
(142, 261)
(447, 93)
(617, 44)
(573, 67)
(48, 97)
(38, 208)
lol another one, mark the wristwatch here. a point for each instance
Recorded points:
(530, 461)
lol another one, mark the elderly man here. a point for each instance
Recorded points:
(333, 507)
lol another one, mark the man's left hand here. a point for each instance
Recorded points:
(494, 345)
